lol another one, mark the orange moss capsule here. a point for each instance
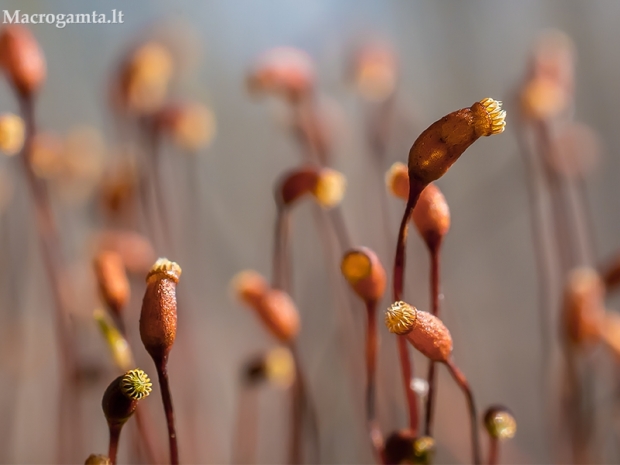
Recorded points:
(12, 132)
(158, 319)
(249, 287)
(431, 215)
(135, 249)
(363, 270)
(424, 331)
(611, 332)
(283, 70)
(279, 314)
(22, 59)
(397, 180)
(327, 186)
(583, 306)
(439, 146)
(112, 280)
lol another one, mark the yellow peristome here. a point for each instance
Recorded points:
(12, 130)
(356, 266)
(280, 367)
(501, 425)
(136, 384)
(195, 128)
(397, 180)
(330, 188)
(400, 318)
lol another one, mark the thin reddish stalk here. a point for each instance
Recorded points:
(460, 379)
(68, 415)
(144, 432)
(162, 374)
(493, 450)
(376, 438)
(397, 282)
(371, 359)
(246, 427)
(434, 249)
(115, 433)
(281, 278)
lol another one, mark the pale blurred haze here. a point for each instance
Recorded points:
(451, 54)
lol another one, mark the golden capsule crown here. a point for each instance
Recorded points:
(496, 114)
(500, 423)
(400, 317)
(166, 269)
(136, 384)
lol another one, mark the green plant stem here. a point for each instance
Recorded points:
(162, 374)
(434, 249)
(460, 379)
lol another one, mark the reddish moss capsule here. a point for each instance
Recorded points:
(363, 270)
(584, 306)
(424, 331)
(439, 146)
(122, 395)
(326, 185)
(158, 320)
(431, 215)
(279, 314)
(112, 280)
(22, 59)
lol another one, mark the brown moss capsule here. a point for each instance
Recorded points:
(279, 314)
(424, 331)
(249, 287)
(431, 215)
(583, 306)
(295, 184)
(439, 146)
(326, 185)
(285, 71)
(135, 249)
(122, 395)
(375, 72)
(22, 59)
(192, 126)
(277, 367)
(158, 319)
(98, 459)
(499, 422)
(363, 270)
(112, 280)
(397, 180)
(144, 79)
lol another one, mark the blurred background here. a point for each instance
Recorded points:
(221, 212)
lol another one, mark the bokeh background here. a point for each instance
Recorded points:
(451, 54)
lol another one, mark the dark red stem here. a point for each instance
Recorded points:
(460, 379)
(434, 249)
(115, 434)
(493, 450)
(162, 373)
(415, 189)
